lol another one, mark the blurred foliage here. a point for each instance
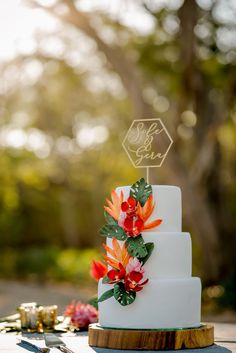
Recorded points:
(64, 115)
(227, 297)
(47, 263)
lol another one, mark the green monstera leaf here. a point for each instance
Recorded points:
(141, 191)
(149, 247)
(112, 228)
(136, 247)
(94, 302)
(113, 231)
(109, 219)
(106, 295)
(122, 296)
(106, 279)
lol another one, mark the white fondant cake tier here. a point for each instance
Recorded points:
(162, 303)
(167, 207)
(171, 256)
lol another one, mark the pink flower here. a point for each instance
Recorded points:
(81, 315)
(135, 265)
(122, 219)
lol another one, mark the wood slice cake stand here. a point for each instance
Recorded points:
(151, 339)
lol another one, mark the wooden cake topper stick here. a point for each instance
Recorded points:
(147, 175)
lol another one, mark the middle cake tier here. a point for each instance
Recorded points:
(171, 256)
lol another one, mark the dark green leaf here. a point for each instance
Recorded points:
(122, 296)
(141, 191)
(113, 231)
(106, 295)
(94, 302)
(136, 247)
(109, 219)
(149, 247)
(106, 279)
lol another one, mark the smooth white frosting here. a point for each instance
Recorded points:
(171, 256)
(163, 303)
(167, 206)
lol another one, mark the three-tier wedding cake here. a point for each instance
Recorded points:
(148, 283)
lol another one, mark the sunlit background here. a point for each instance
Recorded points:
(74, 74)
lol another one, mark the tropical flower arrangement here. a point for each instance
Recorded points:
(81, 315)
(125, 222)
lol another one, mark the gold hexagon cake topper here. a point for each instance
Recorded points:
(147, 143)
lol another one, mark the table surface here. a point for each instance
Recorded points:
(225, 342)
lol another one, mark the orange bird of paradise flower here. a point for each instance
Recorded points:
(119, 254)
(114, 206)
(145, 212)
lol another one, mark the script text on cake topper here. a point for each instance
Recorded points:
(147, 143)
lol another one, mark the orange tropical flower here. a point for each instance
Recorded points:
(114, 206)
(119, 254)
(145, 212)
(97, 270)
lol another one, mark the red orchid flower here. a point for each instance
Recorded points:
(137, 216)
(133, 226)
(132, 281)
(129, 206)
(97, 270)
(116, 275)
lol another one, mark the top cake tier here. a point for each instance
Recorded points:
(168, 206)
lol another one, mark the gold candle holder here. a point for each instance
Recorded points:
(30, 317)
(49, 317)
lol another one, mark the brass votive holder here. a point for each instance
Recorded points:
(49, 317)
(30, 317)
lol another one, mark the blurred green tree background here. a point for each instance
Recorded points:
(65, 107)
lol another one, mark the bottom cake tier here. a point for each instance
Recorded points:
(163, 303)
